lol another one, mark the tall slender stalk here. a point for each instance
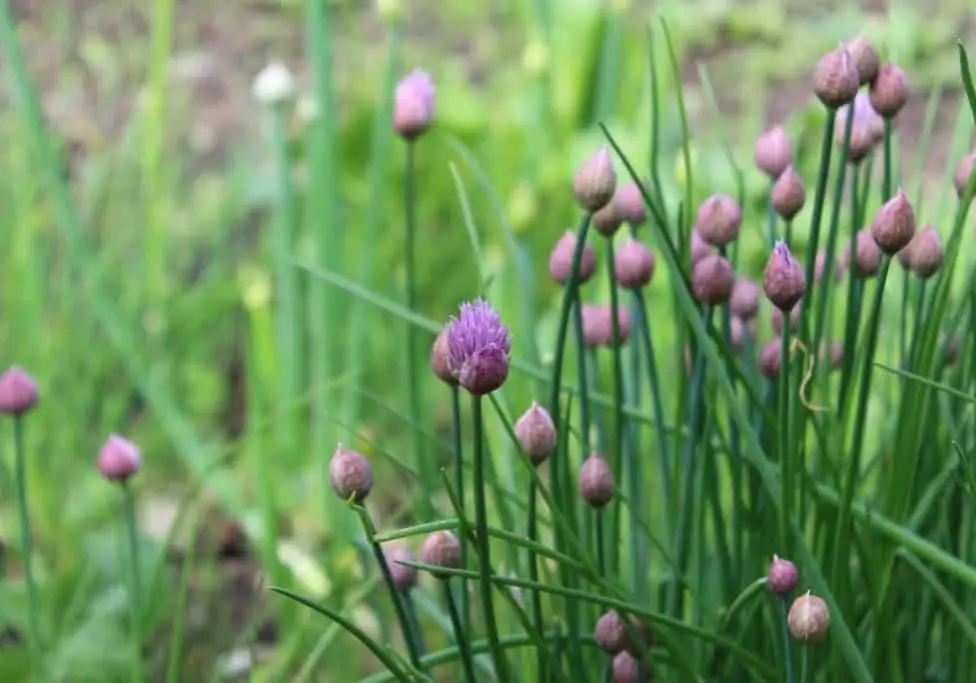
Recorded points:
(784, 445)
(135, 579)
(459, 490)
(618, 399)
(460, 632)
(481, 534)
(787, 640)
(26, 549)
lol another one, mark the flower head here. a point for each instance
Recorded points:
(404, 577)
(788, 194)
(414, 102)
(783, 281)
(18, 391)
(889, 91)
(630, 204)
(867, 256)
(925, 252)
(719, 219)
(964, 170)
(782, 576)
(440, 360)
(865, 58)
(836, 78)
(626, 668)
(699, 248)
(561, 259)
(773, 152)
(745, 299)
(808, 618)
(441, 549)
(867, 128)
(118, 459)
(712, 280)
(596, 481)
(893, 226)
(536, 433)
(610, 633)
(598, 325)
(634, 264)
(607, 219)
(770, 358)
(274, 85)
(478, 348)
(350, 474)
(595, 181)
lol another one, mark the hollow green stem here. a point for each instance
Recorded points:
(135, 579)
(403, 618)
(26, 548)
(481, 533)
(459, 490)
(618, 398)
(460, 633)
(787, 641)
(886, 187)
(417, 633)
(785, 457)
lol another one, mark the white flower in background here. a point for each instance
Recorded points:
(274, 85)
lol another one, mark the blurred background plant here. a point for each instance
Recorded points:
(199, 271)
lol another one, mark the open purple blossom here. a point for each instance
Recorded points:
(478, 348)
(413, 109)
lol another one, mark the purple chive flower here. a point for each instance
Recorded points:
(118, 459)
(413, 109)
(478, 348)
(784, 281)
(18, 391)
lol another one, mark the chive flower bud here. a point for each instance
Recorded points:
(712, 280)
(536, 433)
(770, 357)
(865, 57)
(595, 181)
(414, 102)
(274, 85)
(596, 481)
(964, 170)
(607, 220)
(610, 633)
(627, 669)
(773, 153)
(630, 204)
(598, 325)
(18, 392)
(404, 577)
(893, 226)
(350, 474)
(925, 253)
(808, 618)
(745, 299)
(788, 194)
(634, 264)
(699, 248)
(889, 91)
(561, 259)
(440, 362)
(118, 459)
(867, 256)
(782, 576)
(783, 281)
(441, 549)
(836, 79)
(719, 219)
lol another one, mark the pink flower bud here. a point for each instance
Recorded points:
(712, 280)
(595, 181)
(118, 459)
(808, 618)
(865, 58)
(634, 264)
(596, 481)
(745, 299)
(350, 474)
(440, 361)
(630, 204)
(18, 391)
(783, 281)
(770, 358)
(699, 248)
(773, 152)
(964, 170)
(889, 91)
(926, 254)
(441, 549)
(893, 226)
(788, 194)
(719, 220)
(607, 220)
(561, 259)
(413, 107)
(536, 433)
(836, 79)
(404, 577)
(867, 258)
(782, 576)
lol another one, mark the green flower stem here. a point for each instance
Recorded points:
(787, 640)
(828, 271)
(842, 536)
(785, 447)
(135, 580)
(582, 369)
(460, 632)
(417, 633)
(886, 187)
(818, 205)
(481, 534)
(616, 460)
(600, 542)
(428, 466)
(771, 216)
(853, 287)
(903, 321)
(413, 649)
(459, 489)
(26, 549)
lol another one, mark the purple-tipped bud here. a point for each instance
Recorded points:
(610, 633)
(719, 220)
(413, 108)
(774, 152)
(536, 433)
(865, 58)
(441, 549)
(596, 481)
(404, 577)
(867, 257)
(118, 459)
(770, 357)
(595, 181)
(794, 316)
(784, 281)
(350, 474)
(867, 128)
(820, 268)
(712, 280)
(699, 248)
(607, 220)
(440, 362)
(627, 669)
(889, 91)
(836, 79)
(598, 325)
(809, 618)
(18, 391)
(782, 576)
(561, 259)
(745, 299)
(788, 194)
(478, 346)
(964, 170)
(893, 226)
(630, 204)
(925, 253)
(634, 264)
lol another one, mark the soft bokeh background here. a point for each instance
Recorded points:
(153, 318)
